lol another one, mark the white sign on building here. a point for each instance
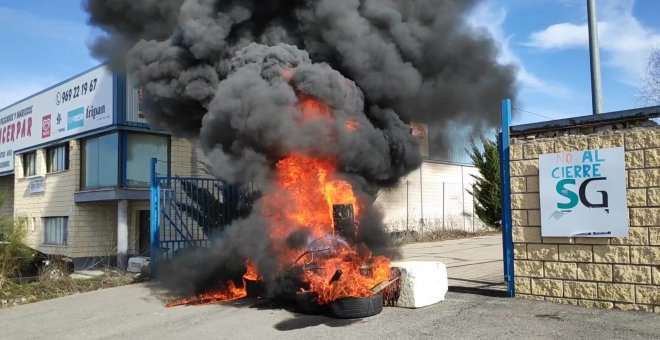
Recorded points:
(37, 185)
(583, 193)
(79, 105)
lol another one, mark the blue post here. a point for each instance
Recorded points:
(507, 231)
(123, 137)
(500, 152)
(155, 218)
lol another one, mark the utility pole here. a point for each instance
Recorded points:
(594, 53)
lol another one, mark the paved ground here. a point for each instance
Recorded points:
(134, 312)
(471, 263)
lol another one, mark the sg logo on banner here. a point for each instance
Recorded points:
(568, 176)
(583, 193)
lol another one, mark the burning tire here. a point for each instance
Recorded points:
(307, 303)
(356, 307)
(255, 288)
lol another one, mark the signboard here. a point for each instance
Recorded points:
(82, 104)
(37, 185)
(583, 193)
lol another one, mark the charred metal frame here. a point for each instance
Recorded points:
(343, 219)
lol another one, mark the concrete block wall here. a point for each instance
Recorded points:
(186, 158)
(93, 232)
(56, 201)
(622, 273)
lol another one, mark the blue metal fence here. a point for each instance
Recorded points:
(190, 212)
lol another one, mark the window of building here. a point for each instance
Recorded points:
(55, 230)
(140, 149)
(57, 158)
(100, 161)
(30, 164)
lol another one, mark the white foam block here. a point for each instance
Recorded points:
(422, 283)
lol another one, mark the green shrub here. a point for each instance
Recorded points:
(487, 190)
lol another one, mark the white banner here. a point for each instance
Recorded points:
(82, 104)
(583, 193)
(37, 185)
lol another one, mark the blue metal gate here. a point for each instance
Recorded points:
(190, 211)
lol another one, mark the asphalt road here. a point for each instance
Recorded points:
(471, 262)
(133, 312)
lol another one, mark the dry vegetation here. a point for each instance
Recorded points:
(433, 230)
(20, 293)
(13, 255)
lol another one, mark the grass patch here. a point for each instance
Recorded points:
(21, 293)
(402, 238)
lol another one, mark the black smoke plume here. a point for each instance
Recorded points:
(229, 73)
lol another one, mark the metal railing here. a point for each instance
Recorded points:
(189, 212)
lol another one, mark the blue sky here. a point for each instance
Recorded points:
(45, 42)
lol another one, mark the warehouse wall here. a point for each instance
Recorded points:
(437, 193)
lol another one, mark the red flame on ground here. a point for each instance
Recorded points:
(228, 291)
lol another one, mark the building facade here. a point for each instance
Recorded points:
(74, 165)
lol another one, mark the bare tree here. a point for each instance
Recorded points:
(650, 91)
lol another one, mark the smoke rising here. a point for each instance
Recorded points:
(416, 57)
(229, 74)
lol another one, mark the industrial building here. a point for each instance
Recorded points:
(74, 164)
(75, 160)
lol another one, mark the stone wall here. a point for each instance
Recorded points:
(622, 273)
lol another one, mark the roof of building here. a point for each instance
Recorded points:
(590, 120)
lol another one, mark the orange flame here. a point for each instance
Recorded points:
(312, 108)
(307, 190)
(229, 292)
(357, 278)
(251, 273)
